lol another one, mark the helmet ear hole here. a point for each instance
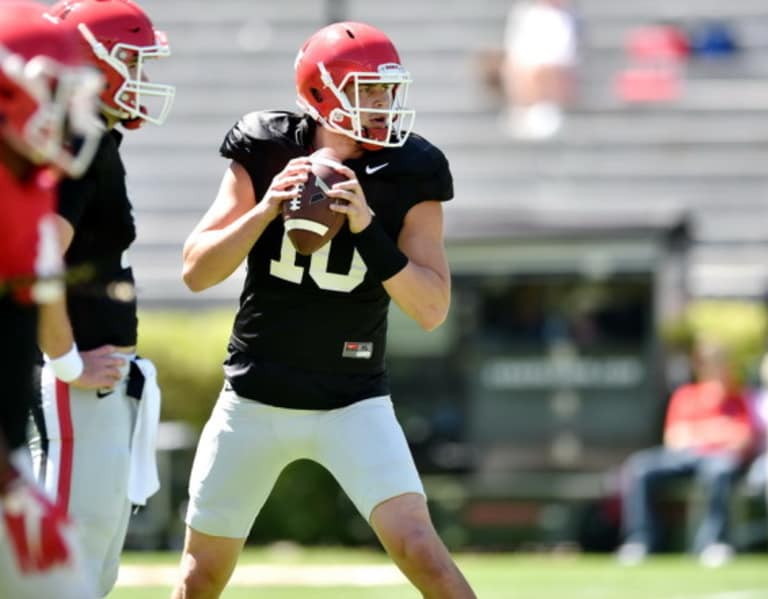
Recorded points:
(318, 97)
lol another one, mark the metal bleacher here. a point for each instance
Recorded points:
(706, 152)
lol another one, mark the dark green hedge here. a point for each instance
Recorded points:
(307, 505)
(740, 326)
(187, 349)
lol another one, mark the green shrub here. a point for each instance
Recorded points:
(187, 348)
(740, 326)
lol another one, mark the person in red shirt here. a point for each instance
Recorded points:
(48, 126)
(708, 434)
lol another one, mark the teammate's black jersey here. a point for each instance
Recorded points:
(18, 353)
(311, 330)
(100, 301)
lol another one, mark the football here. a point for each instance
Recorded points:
(309, 221)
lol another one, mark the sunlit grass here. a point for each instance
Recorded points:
(494, 576)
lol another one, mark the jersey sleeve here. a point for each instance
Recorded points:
(255, 135)
(245, 143)
(74, 196)
(426, 175)
(438, 184)
(242, 143)
(262, 143)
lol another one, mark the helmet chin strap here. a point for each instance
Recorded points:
(371, 147)
(113, 115)
(131, 124)
(375, 134)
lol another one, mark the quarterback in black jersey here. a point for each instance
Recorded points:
(305, 372)
(87, 451)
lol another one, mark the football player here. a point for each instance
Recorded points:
(305, 372)
(48, 125)
(87, 451)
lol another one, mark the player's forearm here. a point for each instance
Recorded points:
(414, 271)
(207, 261)
(730, 434)
(54, 330)
(210, 256)
(422, 294)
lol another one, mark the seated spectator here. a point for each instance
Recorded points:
(540, 46)
(709, 434)
(757, 475)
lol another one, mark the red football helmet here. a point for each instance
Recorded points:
(353, 53)
(120, 36)
(48, 93)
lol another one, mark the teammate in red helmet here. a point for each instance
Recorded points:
(305, 372)
(120, 38)
(48, 126)
(97, 394)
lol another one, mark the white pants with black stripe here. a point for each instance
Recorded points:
(86, 465)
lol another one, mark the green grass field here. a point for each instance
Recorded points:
(316, 573)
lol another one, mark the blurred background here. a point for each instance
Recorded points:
(610, 175)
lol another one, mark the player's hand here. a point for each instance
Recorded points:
(101, 369)
(37, 530)
(286, 185)
(355, 206)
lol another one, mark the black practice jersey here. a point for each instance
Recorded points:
(100, 300)
(18, 354)
(311, 330)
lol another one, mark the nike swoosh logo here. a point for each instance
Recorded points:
(102, 394)
(369, 170)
